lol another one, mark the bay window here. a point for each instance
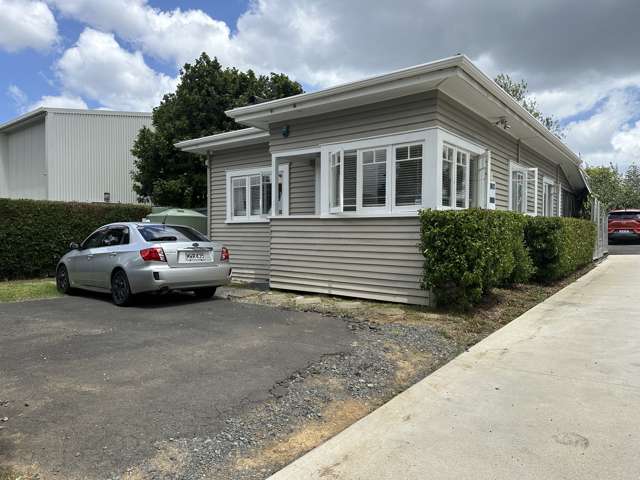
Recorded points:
(379, 179)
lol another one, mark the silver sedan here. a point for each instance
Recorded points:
(130, 258)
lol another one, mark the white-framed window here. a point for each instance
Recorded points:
(249, 194)
(523, 189)
(465, 177)
(549, 197)
(372, 177)
(407, 191)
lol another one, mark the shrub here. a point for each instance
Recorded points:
(559, 245)
(467, 252)
(34, 234)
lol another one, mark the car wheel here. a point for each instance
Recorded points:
(207, 292)
(63, 284)
(120, 290)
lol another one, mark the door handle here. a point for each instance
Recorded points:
(89, 257)
(113, 254)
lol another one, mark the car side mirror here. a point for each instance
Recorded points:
(74, 246)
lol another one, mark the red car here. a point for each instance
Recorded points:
(624, 225)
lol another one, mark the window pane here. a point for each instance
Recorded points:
(374, 179)
(266, 194)
(517, 191)
(447, 160)
(350, 174)
(336, 180)
(255, 194)
(409, 175)
(474, 200)
(461, 180)
(239, 198)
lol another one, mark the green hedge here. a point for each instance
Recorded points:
(34, 234)
(559, 246)
(467, 252)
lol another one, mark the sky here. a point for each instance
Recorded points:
(580, 58)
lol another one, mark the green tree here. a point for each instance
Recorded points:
(520, 92)
(631, 187)
(168, 176)
(607, 185)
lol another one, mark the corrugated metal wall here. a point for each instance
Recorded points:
(25, 166)
(90, 154)
(374, 258)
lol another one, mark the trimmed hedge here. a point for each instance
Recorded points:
(559, 246)
(34, 234)
(467, 252)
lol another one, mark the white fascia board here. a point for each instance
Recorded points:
(372, 86)
(221, 141)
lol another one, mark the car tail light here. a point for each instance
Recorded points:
(153, 254)
(224, 254)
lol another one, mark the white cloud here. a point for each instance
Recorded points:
(59, 101)
(98, 68)
(18, 96)
(26, 24)
(605, 137)
(177, 36)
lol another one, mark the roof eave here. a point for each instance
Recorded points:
(225, 140)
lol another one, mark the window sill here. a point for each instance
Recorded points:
(345, 216)
(248, 220)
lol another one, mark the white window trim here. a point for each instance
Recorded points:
(454, 178)
(516, 166)
(555, 196)
(444, 137)
(247, 172)
(388, 142)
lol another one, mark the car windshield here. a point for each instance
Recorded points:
(624, 215)
(170, 233)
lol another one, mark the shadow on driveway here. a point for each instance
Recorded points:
(90, 389)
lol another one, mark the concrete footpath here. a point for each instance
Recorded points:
(555, 394)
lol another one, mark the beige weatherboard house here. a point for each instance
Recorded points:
(321, 193)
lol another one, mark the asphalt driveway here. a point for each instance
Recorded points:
(90, 389)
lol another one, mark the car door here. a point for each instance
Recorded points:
(106, 257)
(81, 265)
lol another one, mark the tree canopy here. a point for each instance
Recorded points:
(170, 177)
(614, 189)
(520, 92)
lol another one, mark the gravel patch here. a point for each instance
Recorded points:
(310, 406)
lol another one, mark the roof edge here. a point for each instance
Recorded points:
(42, 111)
(219, 141)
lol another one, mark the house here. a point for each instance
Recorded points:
(70, 155)
(321, 192)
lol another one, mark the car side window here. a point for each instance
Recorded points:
(116, 236)
(94, 240)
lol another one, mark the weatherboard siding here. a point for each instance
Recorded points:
(504, 148)
(302, 187)
(247, 242)
(399, 115)
(372, 258)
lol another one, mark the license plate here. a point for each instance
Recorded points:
(194, 257)
(624, 231)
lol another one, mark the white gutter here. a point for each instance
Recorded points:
(219, 141)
